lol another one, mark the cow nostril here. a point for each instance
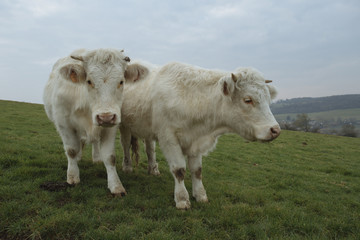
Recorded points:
(113, 119)
(275, 131)
(98, 119)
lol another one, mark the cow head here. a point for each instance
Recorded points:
(247, 98)
(103, 73)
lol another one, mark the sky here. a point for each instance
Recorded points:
(309, 48)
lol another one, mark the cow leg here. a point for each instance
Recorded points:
(73, 151)
(96, 151)
(126, 144)
(173, 153)
(153, 167)
(107, 154)
(198, 190)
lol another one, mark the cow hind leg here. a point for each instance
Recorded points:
(96, 151)
(198, 190)
(153, 167)
(126, 144)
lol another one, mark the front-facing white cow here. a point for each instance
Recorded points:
(186, 109)
(83, 98)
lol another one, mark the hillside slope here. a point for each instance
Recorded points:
(300, 186)
(311, 105)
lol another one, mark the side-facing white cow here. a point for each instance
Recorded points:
(83, 98)
(186, 109)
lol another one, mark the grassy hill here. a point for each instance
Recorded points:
(328, 114)
(320, 104)
(334, 115)
(334, 119)
(301, 186)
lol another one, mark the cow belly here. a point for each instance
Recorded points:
(143, 133)
(199, 146)
(139, 126)
(196, 143)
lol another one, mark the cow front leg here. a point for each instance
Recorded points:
(153, 167)
(126, 144)
(73, 151)
(107, 154)
(173, 153)
(198, 190)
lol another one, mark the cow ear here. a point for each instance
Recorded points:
(136, 72)
(273, 92)
(73, 72)
(227, 84)
(79, 55)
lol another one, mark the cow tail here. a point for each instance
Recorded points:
(135, 149)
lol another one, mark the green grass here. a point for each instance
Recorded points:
(301, 186)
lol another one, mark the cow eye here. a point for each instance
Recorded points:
(120, 84)
(248, 100)
(90, 83)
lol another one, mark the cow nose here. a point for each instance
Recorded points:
(275, 131)
(106, 119)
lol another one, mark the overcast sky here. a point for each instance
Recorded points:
(310, 48)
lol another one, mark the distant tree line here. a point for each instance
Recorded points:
(310, 105)
(302, 122)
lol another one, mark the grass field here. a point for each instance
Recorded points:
(301, 186)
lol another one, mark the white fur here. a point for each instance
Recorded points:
(187, 108)
(75, 107)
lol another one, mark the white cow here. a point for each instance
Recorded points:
(186, 109)
(83, 98)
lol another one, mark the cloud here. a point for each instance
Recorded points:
(46, 62)
(300, 44)
(225, 11)
(40, 8)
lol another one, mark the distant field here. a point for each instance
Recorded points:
(300, 186)
(318, 104)
(328, 116)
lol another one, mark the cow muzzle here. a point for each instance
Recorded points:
(267, 134)
(275, 131)
(106, 119)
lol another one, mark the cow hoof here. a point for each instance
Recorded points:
(202, 199)
(118, 191)
(154, 170)
(183, 205)
(122, 194)
(72, 180)
(127, 169)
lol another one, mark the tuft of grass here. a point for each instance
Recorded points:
(300, 186)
